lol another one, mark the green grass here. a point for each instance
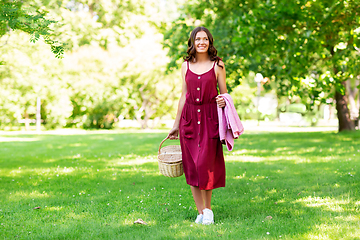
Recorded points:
(94, 185)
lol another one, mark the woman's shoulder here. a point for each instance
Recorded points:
(184, 64)
(184, 67)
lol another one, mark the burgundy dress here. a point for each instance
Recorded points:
(202, 152)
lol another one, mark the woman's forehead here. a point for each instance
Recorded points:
(201, 34)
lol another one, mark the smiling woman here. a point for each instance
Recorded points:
(197, 122)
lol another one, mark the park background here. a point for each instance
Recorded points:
(88, 89)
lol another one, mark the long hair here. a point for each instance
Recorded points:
(191, 46)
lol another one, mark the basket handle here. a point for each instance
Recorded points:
(163, 142)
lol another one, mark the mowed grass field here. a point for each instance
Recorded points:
(95, 184)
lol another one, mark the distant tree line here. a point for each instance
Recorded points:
(111, 65)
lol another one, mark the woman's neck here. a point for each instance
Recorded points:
(202, 57)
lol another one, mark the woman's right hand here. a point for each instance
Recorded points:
(174, 133)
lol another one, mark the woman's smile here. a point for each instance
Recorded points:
(201, 42)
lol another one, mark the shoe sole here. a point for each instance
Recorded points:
(207, 223)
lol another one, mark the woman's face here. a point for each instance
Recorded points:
(201, 42)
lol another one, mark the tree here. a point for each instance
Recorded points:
(31, 71)
(153, 95)
(307, 47)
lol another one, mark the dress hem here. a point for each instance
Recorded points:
(207, 188)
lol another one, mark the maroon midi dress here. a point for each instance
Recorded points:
(202, 152)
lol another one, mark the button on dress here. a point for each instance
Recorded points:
(202, 152)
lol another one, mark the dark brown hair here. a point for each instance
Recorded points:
(191, 46)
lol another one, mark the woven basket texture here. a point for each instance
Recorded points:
(170, 161)
(171, 170)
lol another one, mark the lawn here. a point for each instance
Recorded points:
(95, 184)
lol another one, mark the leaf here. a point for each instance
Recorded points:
(140, 221)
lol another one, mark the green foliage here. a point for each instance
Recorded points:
(95, 185)
(27, 17)
(113, 67)
(297, 108)
(153, 94)
(175, 39)
(307, 47)
(97, 102)
(243, 96)
(99, 23)
(31, 71)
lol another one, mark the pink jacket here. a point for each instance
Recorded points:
(230, 126)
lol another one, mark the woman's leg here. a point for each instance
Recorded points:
(208, 215)
(206, 195)
(198, 198)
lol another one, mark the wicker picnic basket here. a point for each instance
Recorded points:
(170, 160)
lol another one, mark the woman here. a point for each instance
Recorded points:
(197, 121)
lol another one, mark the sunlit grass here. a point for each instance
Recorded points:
(95, 184)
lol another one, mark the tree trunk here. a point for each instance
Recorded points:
(138, 117)
(353, 103)
(27, 121)
(343, 115)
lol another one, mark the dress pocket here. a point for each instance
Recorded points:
(213, 128)
(187, 128)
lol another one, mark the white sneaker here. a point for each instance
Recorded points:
(199, 219)
(208, 217)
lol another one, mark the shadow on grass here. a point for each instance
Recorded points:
(307, 182)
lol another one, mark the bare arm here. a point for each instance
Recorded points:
(221, 79)
(174, 132)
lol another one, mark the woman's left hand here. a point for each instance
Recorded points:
(220, 101)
